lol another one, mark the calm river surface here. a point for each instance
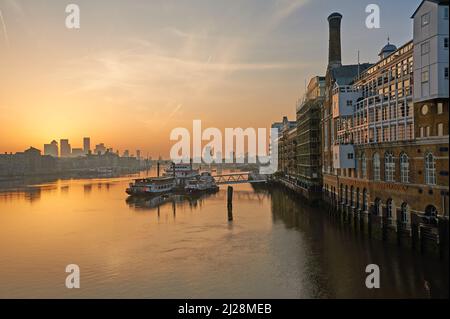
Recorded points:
(276, 247)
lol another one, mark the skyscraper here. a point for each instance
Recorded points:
(51, 149)
(86, 145)
(66, 149)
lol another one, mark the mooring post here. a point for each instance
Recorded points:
(230, 203)
(157, 168)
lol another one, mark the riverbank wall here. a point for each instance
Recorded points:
(427, 236)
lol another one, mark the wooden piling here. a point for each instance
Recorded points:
(230, 203)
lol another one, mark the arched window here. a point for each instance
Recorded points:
(404, 214)
(357, 198)
(404, 168)
(389, 167)
(363, 166)
(376, 167)
(377, 207)
(389, 208)
(430, 169)
(431, 211)
(365, 199)
(346, 194)
(351, 196)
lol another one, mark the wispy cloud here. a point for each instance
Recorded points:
(5, 31)
(284, 9)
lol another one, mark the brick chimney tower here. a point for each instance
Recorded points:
(334, 49)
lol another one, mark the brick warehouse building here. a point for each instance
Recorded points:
(385, 133)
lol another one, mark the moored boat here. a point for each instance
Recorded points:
(201, 184)
(152, 186)
(181, 172)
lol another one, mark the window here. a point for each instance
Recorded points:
(422, 134)
(404, 214)
(440, 129)
(404, 168)
(424, 109)
(428, 128)
(446, 13)
(425, 76)
(352, 202)
(363, 166)
(425, 19)
(430, 169)
(446, 73)
(365, 200)
(349, 103)
(389, 208)
(350, 156)
(440, 108)
(425, 48)
(376, 167)
(377, 207)
(389, 167)
(446, 43)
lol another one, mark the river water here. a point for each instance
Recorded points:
(275, 247)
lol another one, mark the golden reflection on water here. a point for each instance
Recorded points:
(185, 247)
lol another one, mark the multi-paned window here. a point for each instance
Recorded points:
(430, 169)
(363, 166)
(389, 167)
(404, 168)
(376, 167)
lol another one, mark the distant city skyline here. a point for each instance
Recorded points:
(64, 148)
(148, 67)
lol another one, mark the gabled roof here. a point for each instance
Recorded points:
(438, 2)
(344, 75)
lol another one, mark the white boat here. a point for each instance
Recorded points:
(202, 183)
(182, 172)
(152, 186)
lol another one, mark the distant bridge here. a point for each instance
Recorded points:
(237, 178)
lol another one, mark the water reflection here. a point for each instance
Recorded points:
(154, 203)
(185, 247)
(338, 256)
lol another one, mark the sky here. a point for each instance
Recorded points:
(137, 69)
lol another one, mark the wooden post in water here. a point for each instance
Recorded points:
(230, 203)
(157, 169)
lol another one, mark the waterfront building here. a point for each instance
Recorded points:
(66, 149)
(308, 153)
(77, 152)
(86, 145)
(51, 149)
(26, 163)
(385, 145)
(100, 149)
(287, 145)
